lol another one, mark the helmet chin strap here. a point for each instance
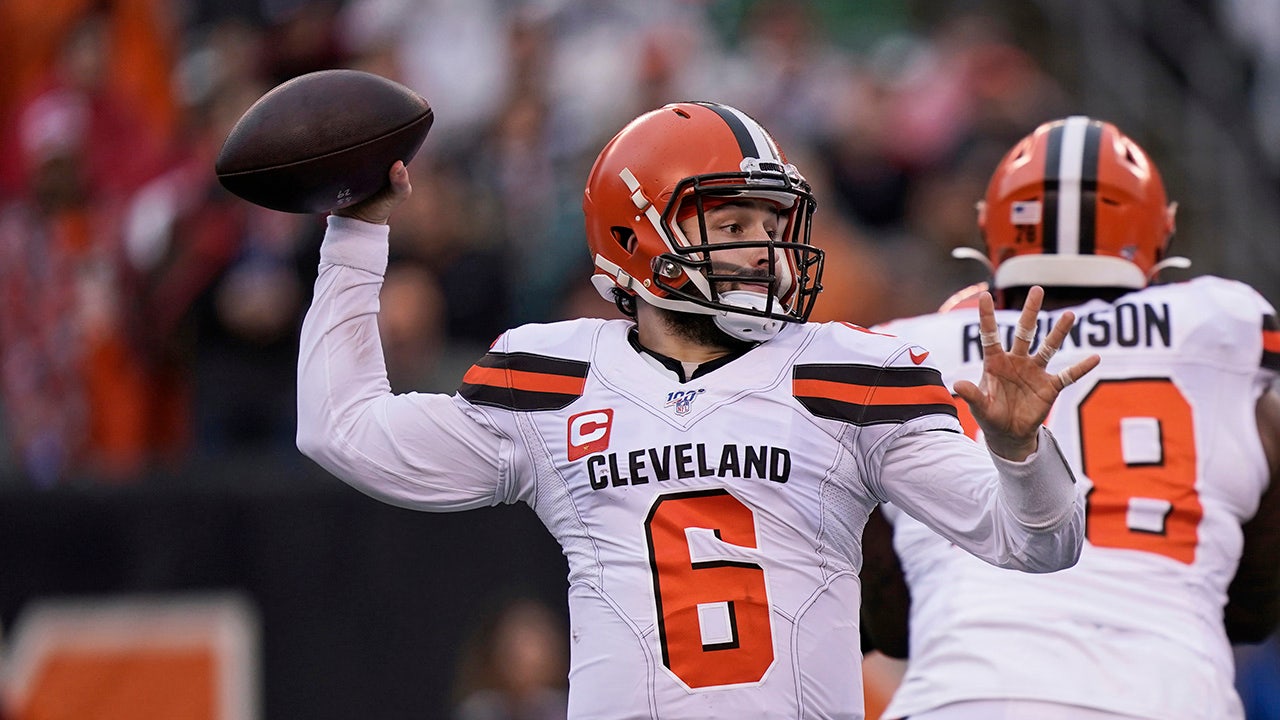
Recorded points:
(747, 327)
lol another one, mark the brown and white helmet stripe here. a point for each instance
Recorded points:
(1076, 203)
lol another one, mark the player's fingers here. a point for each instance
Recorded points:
(1045, 353)
(1061, 327)
(378, 208)
(987, 331)
(1052, 342)
(1025, 331)
(967, 391)
(1065, 379)
(399, 176)
(1075, 372)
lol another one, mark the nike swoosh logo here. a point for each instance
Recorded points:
(917, 358)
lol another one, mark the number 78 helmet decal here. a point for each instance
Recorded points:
(1076, 203)
(679, 161)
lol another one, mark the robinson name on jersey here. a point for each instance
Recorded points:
(1124, 325)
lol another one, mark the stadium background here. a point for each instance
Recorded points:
(344, 607)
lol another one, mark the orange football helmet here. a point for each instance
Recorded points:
(1076, 203)
(679, 160)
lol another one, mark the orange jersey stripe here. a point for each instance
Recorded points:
(524, 380)
(1271, 340)
(883, 395)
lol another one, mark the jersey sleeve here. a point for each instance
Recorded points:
(872, 381)
(900, 423)
(1231, 307)
(1025, 515)
(1270, 361)
(1262, 315)
(415, 450)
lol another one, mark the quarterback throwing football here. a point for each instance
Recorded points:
(709, 464)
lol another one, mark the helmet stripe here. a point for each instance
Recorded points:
(1049, 217)
(1070, 168)
(753, 141)
(1089, 186)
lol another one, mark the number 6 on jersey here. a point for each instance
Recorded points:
(713, 614)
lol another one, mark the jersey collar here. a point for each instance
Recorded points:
(676, 368)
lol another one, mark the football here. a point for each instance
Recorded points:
(322, 141)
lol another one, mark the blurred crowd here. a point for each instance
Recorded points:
(148, 319)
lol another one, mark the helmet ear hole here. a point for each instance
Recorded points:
(625, 237)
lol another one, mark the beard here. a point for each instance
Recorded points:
(701, 330)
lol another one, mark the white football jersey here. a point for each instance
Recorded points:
(1163, 437)
(713, 527)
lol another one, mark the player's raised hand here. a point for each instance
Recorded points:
(377, 209)
(1015, 393)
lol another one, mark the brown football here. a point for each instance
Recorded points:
(322, 141)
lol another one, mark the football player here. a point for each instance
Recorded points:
(1175, 439)
(707, 465)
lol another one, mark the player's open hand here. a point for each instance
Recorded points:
(377, 209)
(1016, 392)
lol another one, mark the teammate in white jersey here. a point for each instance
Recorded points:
(1176, 439)
(708, 466)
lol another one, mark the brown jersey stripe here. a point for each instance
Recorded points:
(524, 382)
(856, 414)
(512, 399)
(870, 395)
(528, 362)
(870, 375)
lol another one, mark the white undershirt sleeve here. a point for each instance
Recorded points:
(414, 450)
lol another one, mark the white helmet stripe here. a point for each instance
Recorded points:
(645, 204)
(1070, 172)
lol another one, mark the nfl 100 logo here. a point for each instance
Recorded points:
(682, 400)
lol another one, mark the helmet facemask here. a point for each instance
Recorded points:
(747, 303)
(681, 161)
